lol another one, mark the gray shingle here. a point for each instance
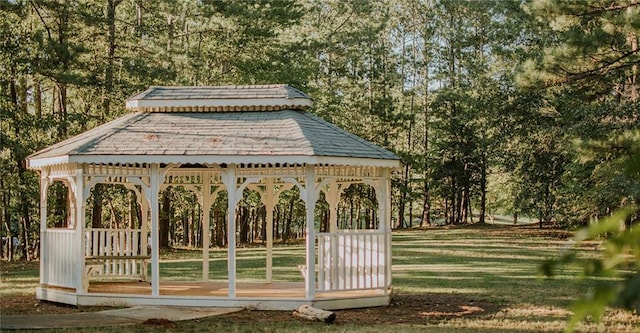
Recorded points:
(219, 92)
(196, 122)
(277, 133)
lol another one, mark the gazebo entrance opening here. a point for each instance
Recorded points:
(216, 156)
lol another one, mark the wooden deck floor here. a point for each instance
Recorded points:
(288, 290)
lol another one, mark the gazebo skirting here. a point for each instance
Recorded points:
(259, 296)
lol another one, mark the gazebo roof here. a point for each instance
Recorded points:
(220, 98)
(194, 125)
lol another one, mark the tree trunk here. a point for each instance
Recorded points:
(286, 233)
(483, 188)
(165, 218)
(96, 206)
(37, 97)
(192, 229)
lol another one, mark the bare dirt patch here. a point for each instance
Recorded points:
(159, 323)
(29, 305)
(405, 308)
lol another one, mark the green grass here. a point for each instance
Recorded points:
(496, 265)
(250, 264)
(18, 278)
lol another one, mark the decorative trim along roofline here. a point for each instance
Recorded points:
(38, 163)
(219, 105)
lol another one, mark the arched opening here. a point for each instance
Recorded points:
(358, 208)
(59, 199)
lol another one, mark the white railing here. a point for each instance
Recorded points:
(60, 258)
(111, 247)
(352, 260)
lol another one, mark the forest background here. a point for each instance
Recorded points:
(525, 108)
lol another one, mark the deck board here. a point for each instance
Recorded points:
(220, 289)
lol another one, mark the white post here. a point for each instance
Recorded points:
(231, 184)
(269, 202)
(155, 238)
(310, 200)
(72, 205)
(384, 202)
(333, 199)
(79, 225)
(206, 233)
(144, 224)
(44, 186)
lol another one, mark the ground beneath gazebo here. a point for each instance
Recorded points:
(405, 308)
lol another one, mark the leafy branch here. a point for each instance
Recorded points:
(620, 260)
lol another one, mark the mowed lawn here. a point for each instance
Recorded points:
(467, 279)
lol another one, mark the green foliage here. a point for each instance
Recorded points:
(620, 261)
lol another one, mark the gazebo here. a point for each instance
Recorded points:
(208, 140)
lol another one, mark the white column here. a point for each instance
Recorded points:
(384, 202)
(310, 201)
(206, 233)
(155, 238)
(333, 199)
(230, 182)
(144, 223)
(72, 205)
(79, 225)
(44, 186)
(269, 203)
(269, 195)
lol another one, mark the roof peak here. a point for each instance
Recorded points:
(271, 97)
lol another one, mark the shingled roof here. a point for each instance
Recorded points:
(215, 137)
(220, 98)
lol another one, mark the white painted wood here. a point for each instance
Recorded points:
(262, 303)
(269, 194)
(269, 206)
(344, 261)
(352, 302)
(60, 246)
(385, 223)
(310, 201)
(155, 239)
(230, 181)
(269, 197)
(122, 243)
(360, 263)
(207, 200)
(44, 186)
(144, 235)
(214, 104)
(144, 199)
(79, 276)
(56, 295)
(221, 159)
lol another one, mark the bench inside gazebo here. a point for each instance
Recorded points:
(211, 140)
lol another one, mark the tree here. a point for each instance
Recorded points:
(592, 67)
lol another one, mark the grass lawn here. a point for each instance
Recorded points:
(467, 279)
